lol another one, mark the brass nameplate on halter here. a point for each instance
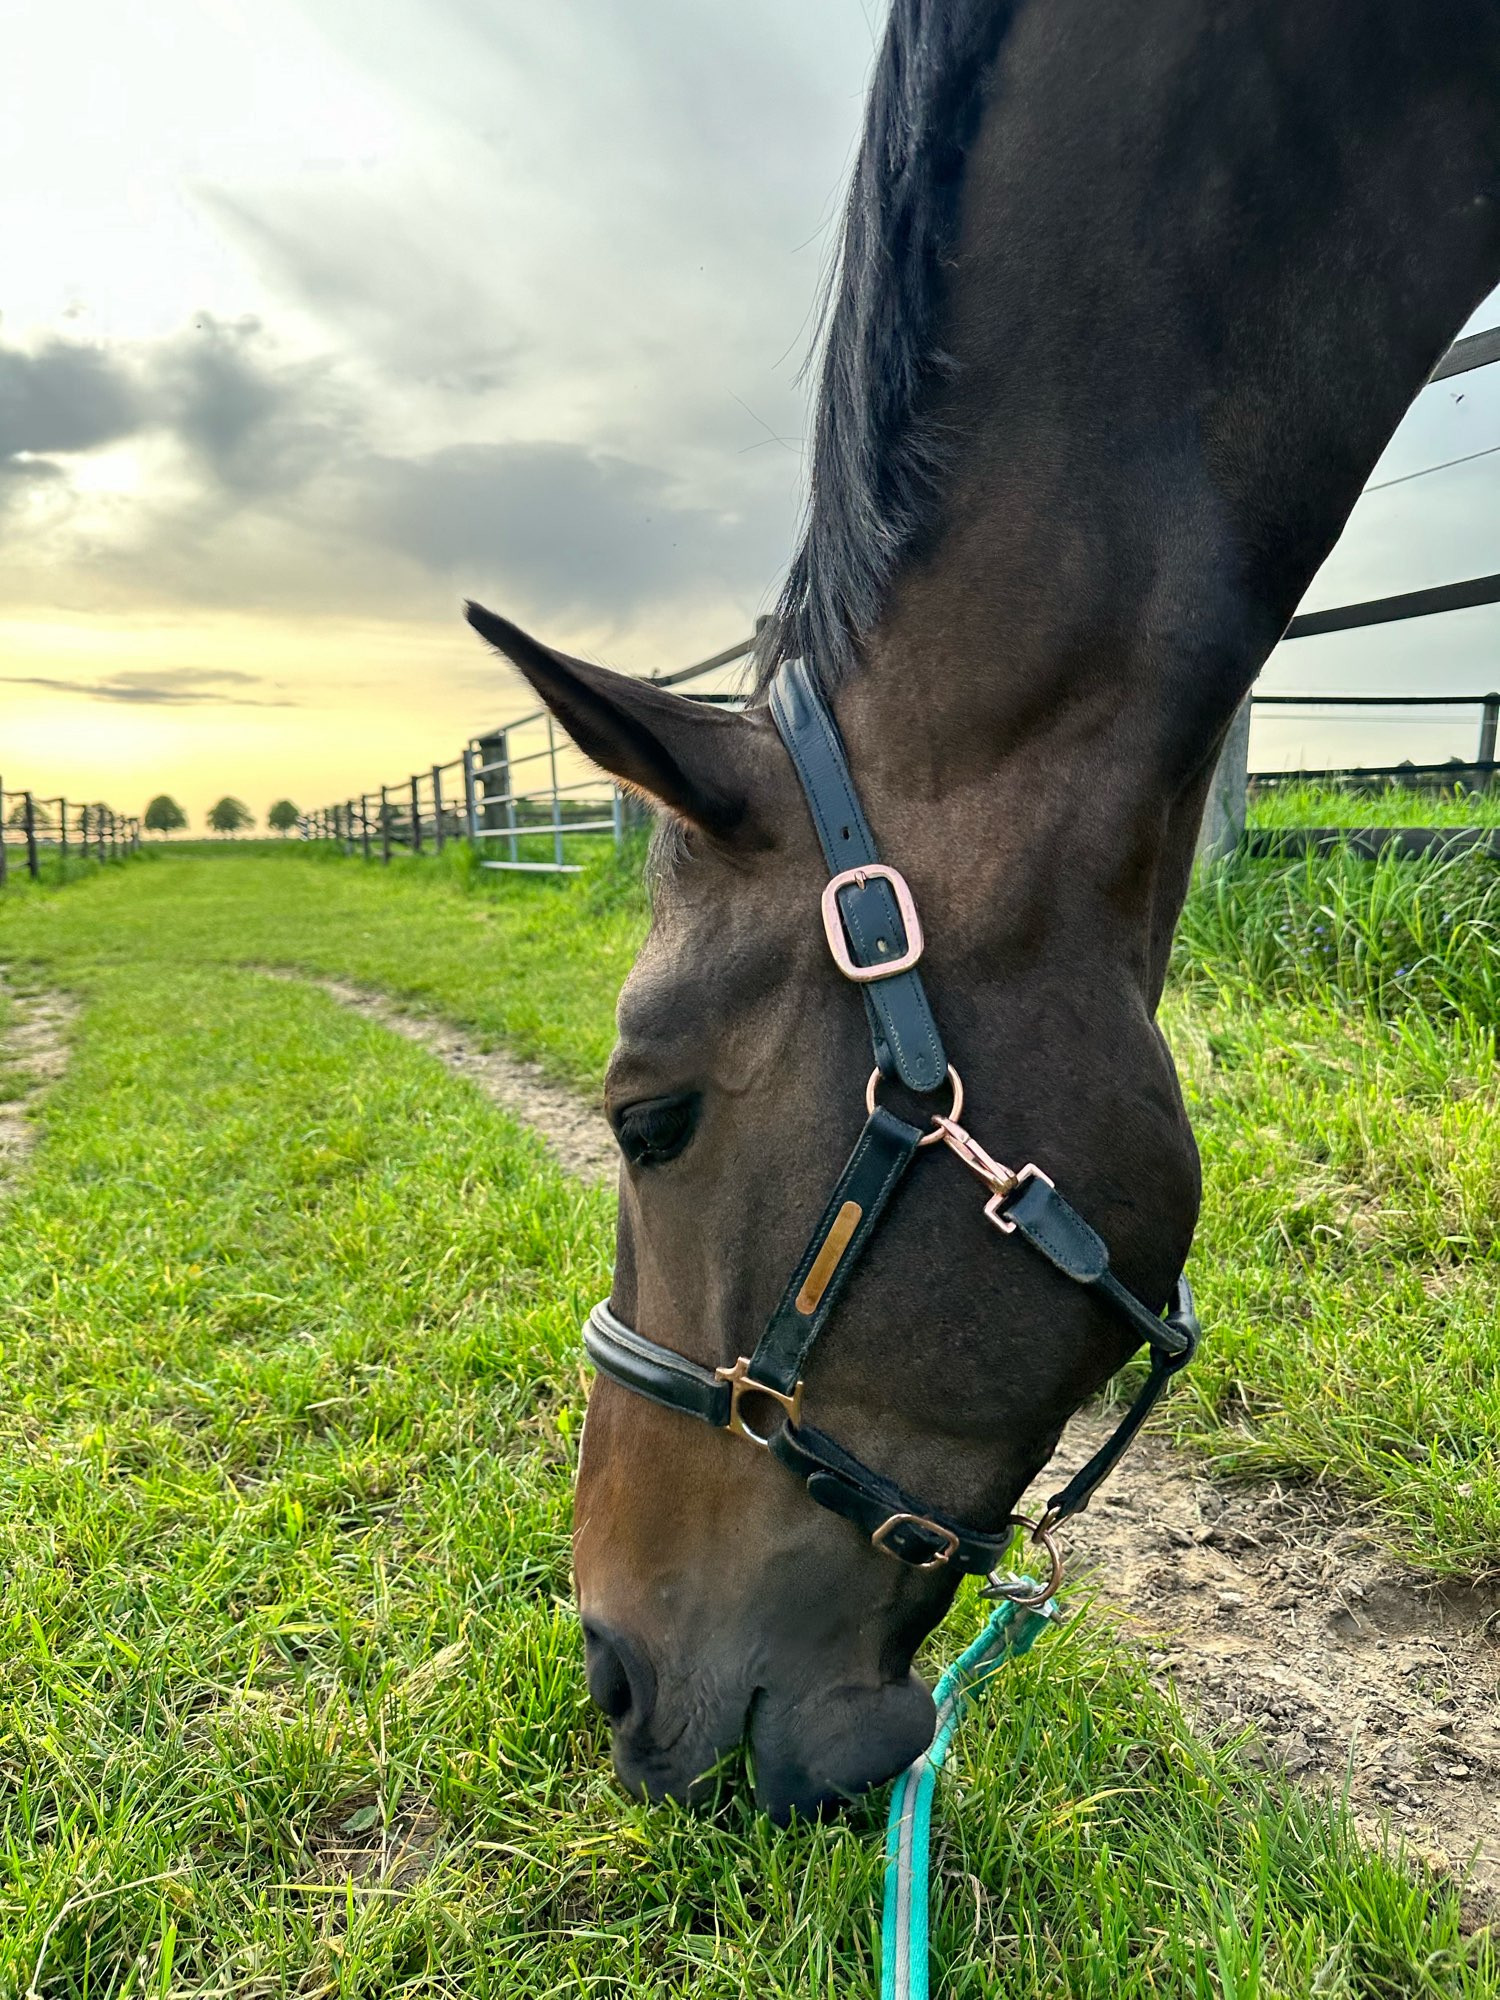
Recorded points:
(835, 1243)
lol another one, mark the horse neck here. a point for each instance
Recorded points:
(1206, 260)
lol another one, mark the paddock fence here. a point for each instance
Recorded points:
(520, 792)
(525, 797)
(33, 828)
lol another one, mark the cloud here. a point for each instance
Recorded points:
(176, 687)
(574, 531)
(395, 283)
(255, 422)
(64, 396)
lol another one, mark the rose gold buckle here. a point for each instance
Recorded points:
(994, 1208)
(833, 923)
(879, 1540)
(743, 1383)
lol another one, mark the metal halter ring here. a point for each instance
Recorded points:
(955, 1084)
(1014, 1589)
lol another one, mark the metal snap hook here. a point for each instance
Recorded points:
(1025, 1590)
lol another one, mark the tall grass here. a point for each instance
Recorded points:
(1394, 936)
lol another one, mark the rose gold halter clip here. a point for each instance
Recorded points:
(1002, 1181)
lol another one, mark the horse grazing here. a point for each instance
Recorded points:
(1131, 295)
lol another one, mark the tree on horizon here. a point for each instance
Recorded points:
(229, 815)
(164, 815)
(282, 817)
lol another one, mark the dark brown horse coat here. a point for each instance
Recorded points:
(1132, 294)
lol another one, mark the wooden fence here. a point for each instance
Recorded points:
(32, 827)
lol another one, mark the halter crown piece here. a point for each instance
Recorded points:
(876, 940)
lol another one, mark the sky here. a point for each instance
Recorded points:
(316, 318)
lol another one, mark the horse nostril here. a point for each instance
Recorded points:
(620, 1681)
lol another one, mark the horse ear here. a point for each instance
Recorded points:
(681, 754)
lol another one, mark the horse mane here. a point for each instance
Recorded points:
(875, 465)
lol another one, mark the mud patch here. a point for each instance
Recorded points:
(371, 1851)
(1271, 1609)
(33, 1054)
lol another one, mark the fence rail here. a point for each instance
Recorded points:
(31, 827)
(1478, 770)
(519, 792)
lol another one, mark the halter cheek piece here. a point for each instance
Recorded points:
(876, 940)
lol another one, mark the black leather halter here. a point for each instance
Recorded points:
(876, 940)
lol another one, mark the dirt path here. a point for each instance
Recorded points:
(33, 1052)
(1266, 1607)
(574, 1129)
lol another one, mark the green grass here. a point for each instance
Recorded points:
(292, 1395)
(1395, 805)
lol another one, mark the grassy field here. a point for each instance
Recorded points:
(290, 1698)
(1396, 805)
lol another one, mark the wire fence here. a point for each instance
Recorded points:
(520, 792)
(1476, 771)
(33, 829)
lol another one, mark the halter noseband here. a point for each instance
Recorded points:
(876, 940)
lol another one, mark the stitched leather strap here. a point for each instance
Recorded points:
(1181, 1324)
(658, 1373)
(1053, 1226)
(885, 1149)
(836, 1479)
(907, 1043)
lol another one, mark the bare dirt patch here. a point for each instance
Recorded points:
(370, 1850)
(33, 1054)
(1268, 1608)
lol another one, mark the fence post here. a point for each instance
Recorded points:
(416, 814)
(557, 848)
(471, 814)
(1223, 825)
(1489, 726)
(29, 822)
(62, 825)
(437, 807)
(385, 826)
(2, 834)
(492, 784)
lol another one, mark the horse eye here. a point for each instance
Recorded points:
(657, 1129)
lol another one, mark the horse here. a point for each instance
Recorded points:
(1130, 296)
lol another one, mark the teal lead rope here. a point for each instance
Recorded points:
(1012, 1630)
